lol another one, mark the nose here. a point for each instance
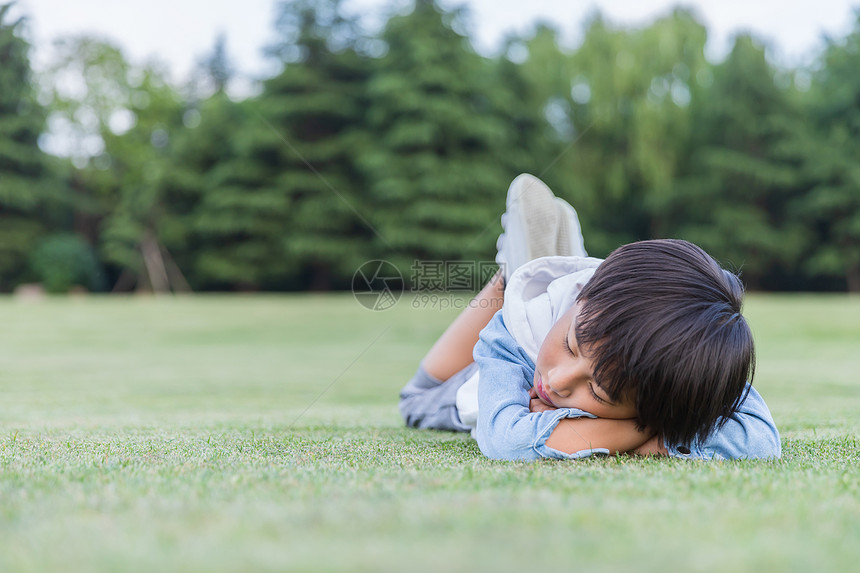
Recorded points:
(559, 382)
(558, 389)
(563, 379)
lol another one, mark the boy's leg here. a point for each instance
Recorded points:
(535, 224)
(429, 403)
(452, 352)
(429, 399)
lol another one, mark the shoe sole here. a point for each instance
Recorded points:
(534, 203)
(569, 239)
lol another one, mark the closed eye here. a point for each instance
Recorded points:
(598, 398)
(567, 345)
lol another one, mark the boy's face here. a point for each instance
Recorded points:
(563, 374)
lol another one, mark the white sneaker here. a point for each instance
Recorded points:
(530, 224)
(569, 240)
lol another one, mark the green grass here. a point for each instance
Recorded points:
(261, 433)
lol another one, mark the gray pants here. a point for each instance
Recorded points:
(430, 404)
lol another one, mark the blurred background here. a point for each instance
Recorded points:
(144, 148)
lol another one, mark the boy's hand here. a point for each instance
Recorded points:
(535, 404)
(653, 447)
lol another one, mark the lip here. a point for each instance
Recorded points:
(541, 392)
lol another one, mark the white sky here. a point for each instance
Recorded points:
(181, 31)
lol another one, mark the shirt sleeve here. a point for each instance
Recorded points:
(750, 433)
(506, 430)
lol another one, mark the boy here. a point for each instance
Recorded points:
(645, 352)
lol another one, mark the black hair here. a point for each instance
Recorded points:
(662, 322)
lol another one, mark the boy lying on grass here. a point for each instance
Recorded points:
(644, 352)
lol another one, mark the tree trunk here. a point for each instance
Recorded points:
(154, 263)
(852, 277)
(174, 274)
(320, 277)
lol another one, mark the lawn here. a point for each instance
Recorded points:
(237, 433)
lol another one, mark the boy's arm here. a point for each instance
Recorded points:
(748, 434)
(584, 433)
(653, 447)
(573, 435)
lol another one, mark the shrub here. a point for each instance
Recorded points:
(65, 260)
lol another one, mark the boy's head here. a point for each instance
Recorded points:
(661, 322)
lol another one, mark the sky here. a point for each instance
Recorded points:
(180, 32)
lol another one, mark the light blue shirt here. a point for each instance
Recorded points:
(506, 429)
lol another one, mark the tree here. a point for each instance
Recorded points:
(120, 128)
(197, 223)
(530, 87)
(283, 211)
(132, 231)
(735, 196)
(33, 200)
(444, 150)
(317, 104)
(218, 66)
(629, 99)
(832, 205)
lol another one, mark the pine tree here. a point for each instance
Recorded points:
(217, 66)
(317, 104)
(206, 220)
(285, 210)
(202, 150)
(528, 86)
(444, 150)
(31, 196)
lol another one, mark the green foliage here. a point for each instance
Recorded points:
(121, 131)
(21, 161)
(736, 195)
(631, 99)
(197, 218)
(279, 202)
(832, 205)
(63, 261)
(399, 145)
(442, 155)
(138, 163)
(31, 196)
